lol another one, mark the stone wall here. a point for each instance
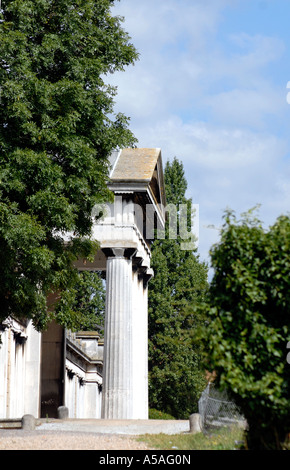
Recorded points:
(83, 380)
(20, 350)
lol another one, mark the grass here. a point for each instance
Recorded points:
(221, 439)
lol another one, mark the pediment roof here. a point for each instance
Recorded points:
(135, 164)
(139, 167)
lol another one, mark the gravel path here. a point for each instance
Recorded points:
(19, 439)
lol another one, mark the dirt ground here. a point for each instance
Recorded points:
(19, 439)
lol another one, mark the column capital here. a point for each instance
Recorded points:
(119, 252)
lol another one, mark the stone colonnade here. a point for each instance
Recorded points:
(125, 375)
(20, 352)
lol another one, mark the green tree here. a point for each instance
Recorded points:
(248, 310)
(57, 128)
(180, 281)
(83, 303)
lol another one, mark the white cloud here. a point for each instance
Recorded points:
(246, 107)
(256, 50)
(166, 23)
(173, 76)
(213, 148)
(172, 38)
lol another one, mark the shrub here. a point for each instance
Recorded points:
(248, 310)
(156, 414)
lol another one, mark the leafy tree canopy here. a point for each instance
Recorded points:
(57, 128)
(248, 311)
(83, 303)
(180, 282)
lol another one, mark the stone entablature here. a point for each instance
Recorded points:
(87, 344)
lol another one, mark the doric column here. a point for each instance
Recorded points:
(140, 347)
(117, 378)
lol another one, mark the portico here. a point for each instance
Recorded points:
(136, 180)
(91, 376)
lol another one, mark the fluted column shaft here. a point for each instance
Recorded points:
(117, 377)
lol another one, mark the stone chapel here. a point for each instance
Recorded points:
(96, 377)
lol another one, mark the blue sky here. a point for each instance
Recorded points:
(210, 88)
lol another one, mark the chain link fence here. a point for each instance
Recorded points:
(216, 410)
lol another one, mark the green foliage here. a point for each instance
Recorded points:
(83, 303)
(57, 128)
(180, 281)
(156, 414)
(249, 319)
